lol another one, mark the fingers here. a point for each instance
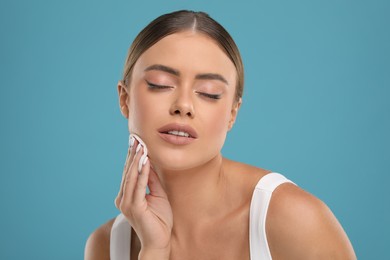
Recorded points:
(137, 175)
(132, 181)
(129, 158)
(142, 182)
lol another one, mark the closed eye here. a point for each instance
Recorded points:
(212, 96)
(155, 86)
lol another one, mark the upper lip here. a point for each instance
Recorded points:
(178, 127)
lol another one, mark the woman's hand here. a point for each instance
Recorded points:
(150, 215)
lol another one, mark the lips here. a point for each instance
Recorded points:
(178, 129)
(177, 134)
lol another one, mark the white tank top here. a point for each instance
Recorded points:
(121, 231)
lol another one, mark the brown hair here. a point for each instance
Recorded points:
(181, 21)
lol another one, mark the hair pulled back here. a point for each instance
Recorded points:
(179, 21)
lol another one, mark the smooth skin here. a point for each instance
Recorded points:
(198, 206)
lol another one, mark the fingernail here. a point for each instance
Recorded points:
(138, 148)
(145, 160)
(131, 141)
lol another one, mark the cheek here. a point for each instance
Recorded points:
(142, 113)
(218, 123)
(216, 126)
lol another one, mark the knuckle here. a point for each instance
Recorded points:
(126, 205)
(123, 208)
(129, 211)
(118, 201)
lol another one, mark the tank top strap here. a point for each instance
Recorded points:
(271, 181)
(261, 197)
(120, 239)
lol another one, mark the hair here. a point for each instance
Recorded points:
(180, 21)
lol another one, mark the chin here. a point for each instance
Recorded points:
(172, 163)
(177, 162)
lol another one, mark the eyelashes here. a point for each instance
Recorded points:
(212, 96)
(153, 86)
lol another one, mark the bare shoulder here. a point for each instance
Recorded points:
(300, 226)
(98, 243)
(244, 174)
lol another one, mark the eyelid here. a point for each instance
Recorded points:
(156, 86)
(207, 95)
(212, 96)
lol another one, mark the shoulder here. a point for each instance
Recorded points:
(300, 226)
(98, 243)
(243, 174)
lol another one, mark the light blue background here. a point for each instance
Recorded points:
(316, 108)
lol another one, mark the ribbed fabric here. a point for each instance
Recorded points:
(259, 250)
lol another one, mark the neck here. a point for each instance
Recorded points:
(195, 192)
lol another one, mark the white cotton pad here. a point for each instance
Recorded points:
(144, 157)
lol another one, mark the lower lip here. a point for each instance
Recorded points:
(176, 140)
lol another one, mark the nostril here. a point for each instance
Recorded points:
(182, 111)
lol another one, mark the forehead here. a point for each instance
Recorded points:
(190, 53)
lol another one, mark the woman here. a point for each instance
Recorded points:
(181, 92)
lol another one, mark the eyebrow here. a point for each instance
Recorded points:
(163, 68)
(211, 76)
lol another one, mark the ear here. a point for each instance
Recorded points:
(124, 99)
(234, 112)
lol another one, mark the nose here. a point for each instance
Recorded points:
(183, 105)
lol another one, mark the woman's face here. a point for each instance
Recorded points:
(181, 100)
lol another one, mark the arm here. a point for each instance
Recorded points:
(98, 243)
(300, 226)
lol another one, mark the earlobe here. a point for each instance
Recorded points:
(123, 98)
(231, 123)
(234, 112)
(124, 111)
